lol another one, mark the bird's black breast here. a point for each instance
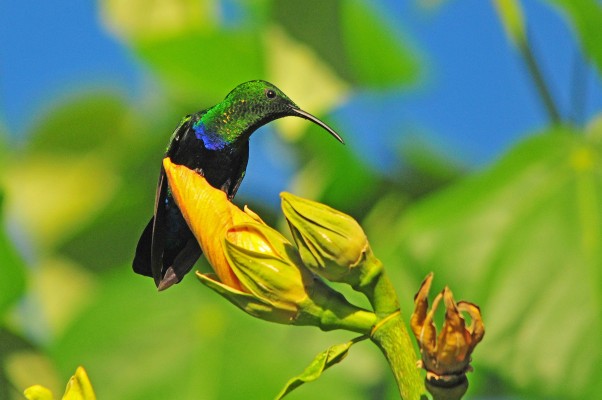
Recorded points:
(223, 168)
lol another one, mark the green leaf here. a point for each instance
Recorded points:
(325, 37)
(190, 46)
(12, 282)
(68, 170)
(85, 123)
(120, 222)
(147, 342)
(357, 41)
(326, 359)
(205, 65)
(187, 342)
(523, 240)
(376, 53)
(586, 18)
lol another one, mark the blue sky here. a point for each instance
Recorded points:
(475, 100)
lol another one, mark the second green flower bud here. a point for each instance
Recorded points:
(330, 242)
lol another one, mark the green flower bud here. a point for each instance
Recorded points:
(330, 242)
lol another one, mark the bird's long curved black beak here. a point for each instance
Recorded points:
(304, 114)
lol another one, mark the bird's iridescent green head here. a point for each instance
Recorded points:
(246, 108)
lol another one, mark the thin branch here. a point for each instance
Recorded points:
(539, 81)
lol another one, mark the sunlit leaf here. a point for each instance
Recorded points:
(426, 167)
(299, 71)
(139, 19)
(523, 241)
(58, 291)
(51, 196)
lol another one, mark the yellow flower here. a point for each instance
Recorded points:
(445, 357)
(258, 270)
(78, 388)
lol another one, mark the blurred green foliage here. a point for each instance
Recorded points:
(520, 238)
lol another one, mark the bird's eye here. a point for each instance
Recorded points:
(270, 94)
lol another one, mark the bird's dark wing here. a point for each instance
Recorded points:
(159, 232)
(149, 250)
(154, 255)
(142, 259)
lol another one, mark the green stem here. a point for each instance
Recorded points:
(359, 321)
(377, 287)
(390, 333)
(330, 310)
(393, 340)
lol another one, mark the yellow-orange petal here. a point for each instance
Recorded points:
(209, 215)
(417, 321)
(476, 329)
(453, 343)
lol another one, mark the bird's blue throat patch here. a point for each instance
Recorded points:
(211, 140)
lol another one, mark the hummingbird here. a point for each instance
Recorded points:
(214, 143)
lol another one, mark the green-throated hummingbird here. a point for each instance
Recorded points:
(215, 143)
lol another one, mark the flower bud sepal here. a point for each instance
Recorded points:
(247, 302)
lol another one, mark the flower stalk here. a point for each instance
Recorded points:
(262, 273)
(393, 340)
(391, 334)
